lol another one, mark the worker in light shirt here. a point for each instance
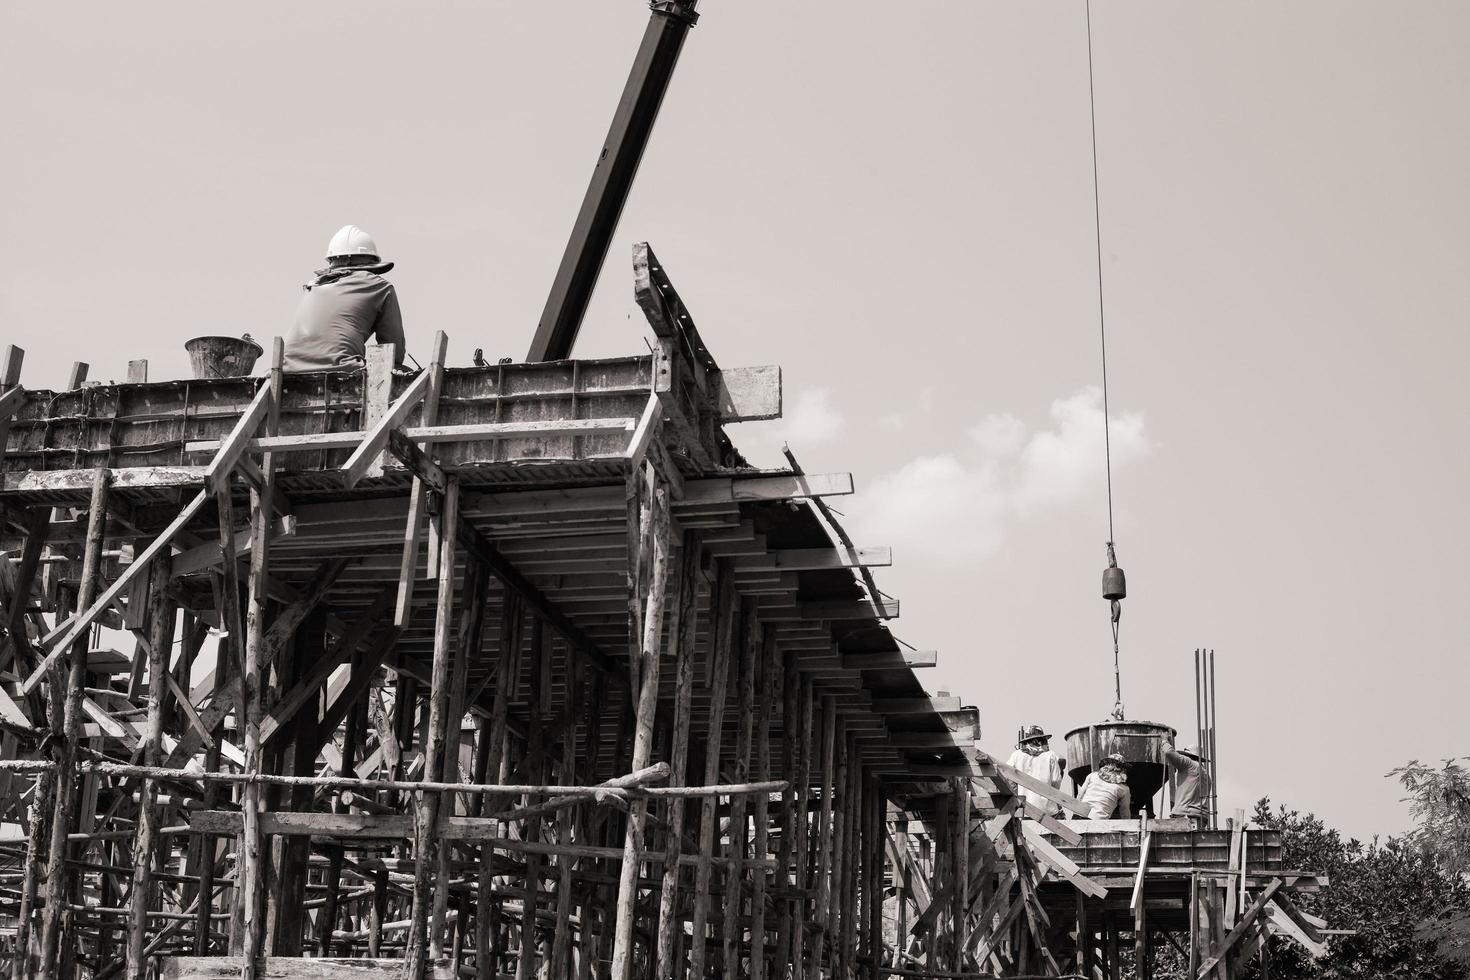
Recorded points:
(1105, 790)
(1034, 757)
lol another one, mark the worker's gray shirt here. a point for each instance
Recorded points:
(339, 310)
(1191, 787)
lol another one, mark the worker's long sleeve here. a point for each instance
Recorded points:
(389, 328)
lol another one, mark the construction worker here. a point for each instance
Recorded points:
(1191, 783)
(1105, 790)
(1034, 757)
(344, 305)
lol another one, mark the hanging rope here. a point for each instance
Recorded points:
(1120, 589)
(1102, 326)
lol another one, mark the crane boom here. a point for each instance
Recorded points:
(612, 178)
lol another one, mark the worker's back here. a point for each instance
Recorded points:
(343, 306)
(339, 311)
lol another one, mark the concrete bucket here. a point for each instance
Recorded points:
(223, 357)
(1140, 743)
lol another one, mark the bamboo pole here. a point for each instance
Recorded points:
(52, 924)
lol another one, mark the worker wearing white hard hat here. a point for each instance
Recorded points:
(343, 306)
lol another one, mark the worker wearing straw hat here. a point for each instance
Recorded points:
(1191, 782)
(1034, 757)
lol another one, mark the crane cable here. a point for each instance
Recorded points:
(1102, 329)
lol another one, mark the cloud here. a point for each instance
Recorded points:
(957, 506)
(810, 419)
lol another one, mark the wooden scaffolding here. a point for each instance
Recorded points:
(503, 671)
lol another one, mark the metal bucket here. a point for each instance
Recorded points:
(223, 357)
(1140, 743)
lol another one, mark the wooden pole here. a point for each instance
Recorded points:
(66, 750)
(540, 688)
(561, 942)
(718, 679)
(161, 614)
(648, 655)
(427, 810)
(803, 824)
(685, 615)
(747, 640)
(766, 681)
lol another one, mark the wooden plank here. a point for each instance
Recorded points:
(1145, 842)
(234, 446)
(914, 706)
(291, 968)
(822, 559)
(418, 500)
(79, 624)
(1066, 800)
(375, 437)
(1046, 852)
(897, 660)
(1051, 824)
(748, 394)
(77, 481)
(645, 431)
(849, 609)
(11, 401)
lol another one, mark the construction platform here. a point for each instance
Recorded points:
(498, 670)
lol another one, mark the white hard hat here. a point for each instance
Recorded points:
(352, 240)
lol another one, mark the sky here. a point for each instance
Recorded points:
(897, 207)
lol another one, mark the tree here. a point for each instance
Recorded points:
(1439, 800)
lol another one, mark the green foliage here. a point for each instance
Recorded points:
(1439, 800)
(1389, 891)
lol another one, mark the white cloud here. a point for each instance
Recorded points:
(959, 506)
(812, 418)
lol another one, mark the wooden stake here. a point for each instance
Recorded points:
(161, 615)
(766, 683)
(648, 656)
(683, 625)
(747, 640)
(56, 880)
(427, 810)
(718, 679)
